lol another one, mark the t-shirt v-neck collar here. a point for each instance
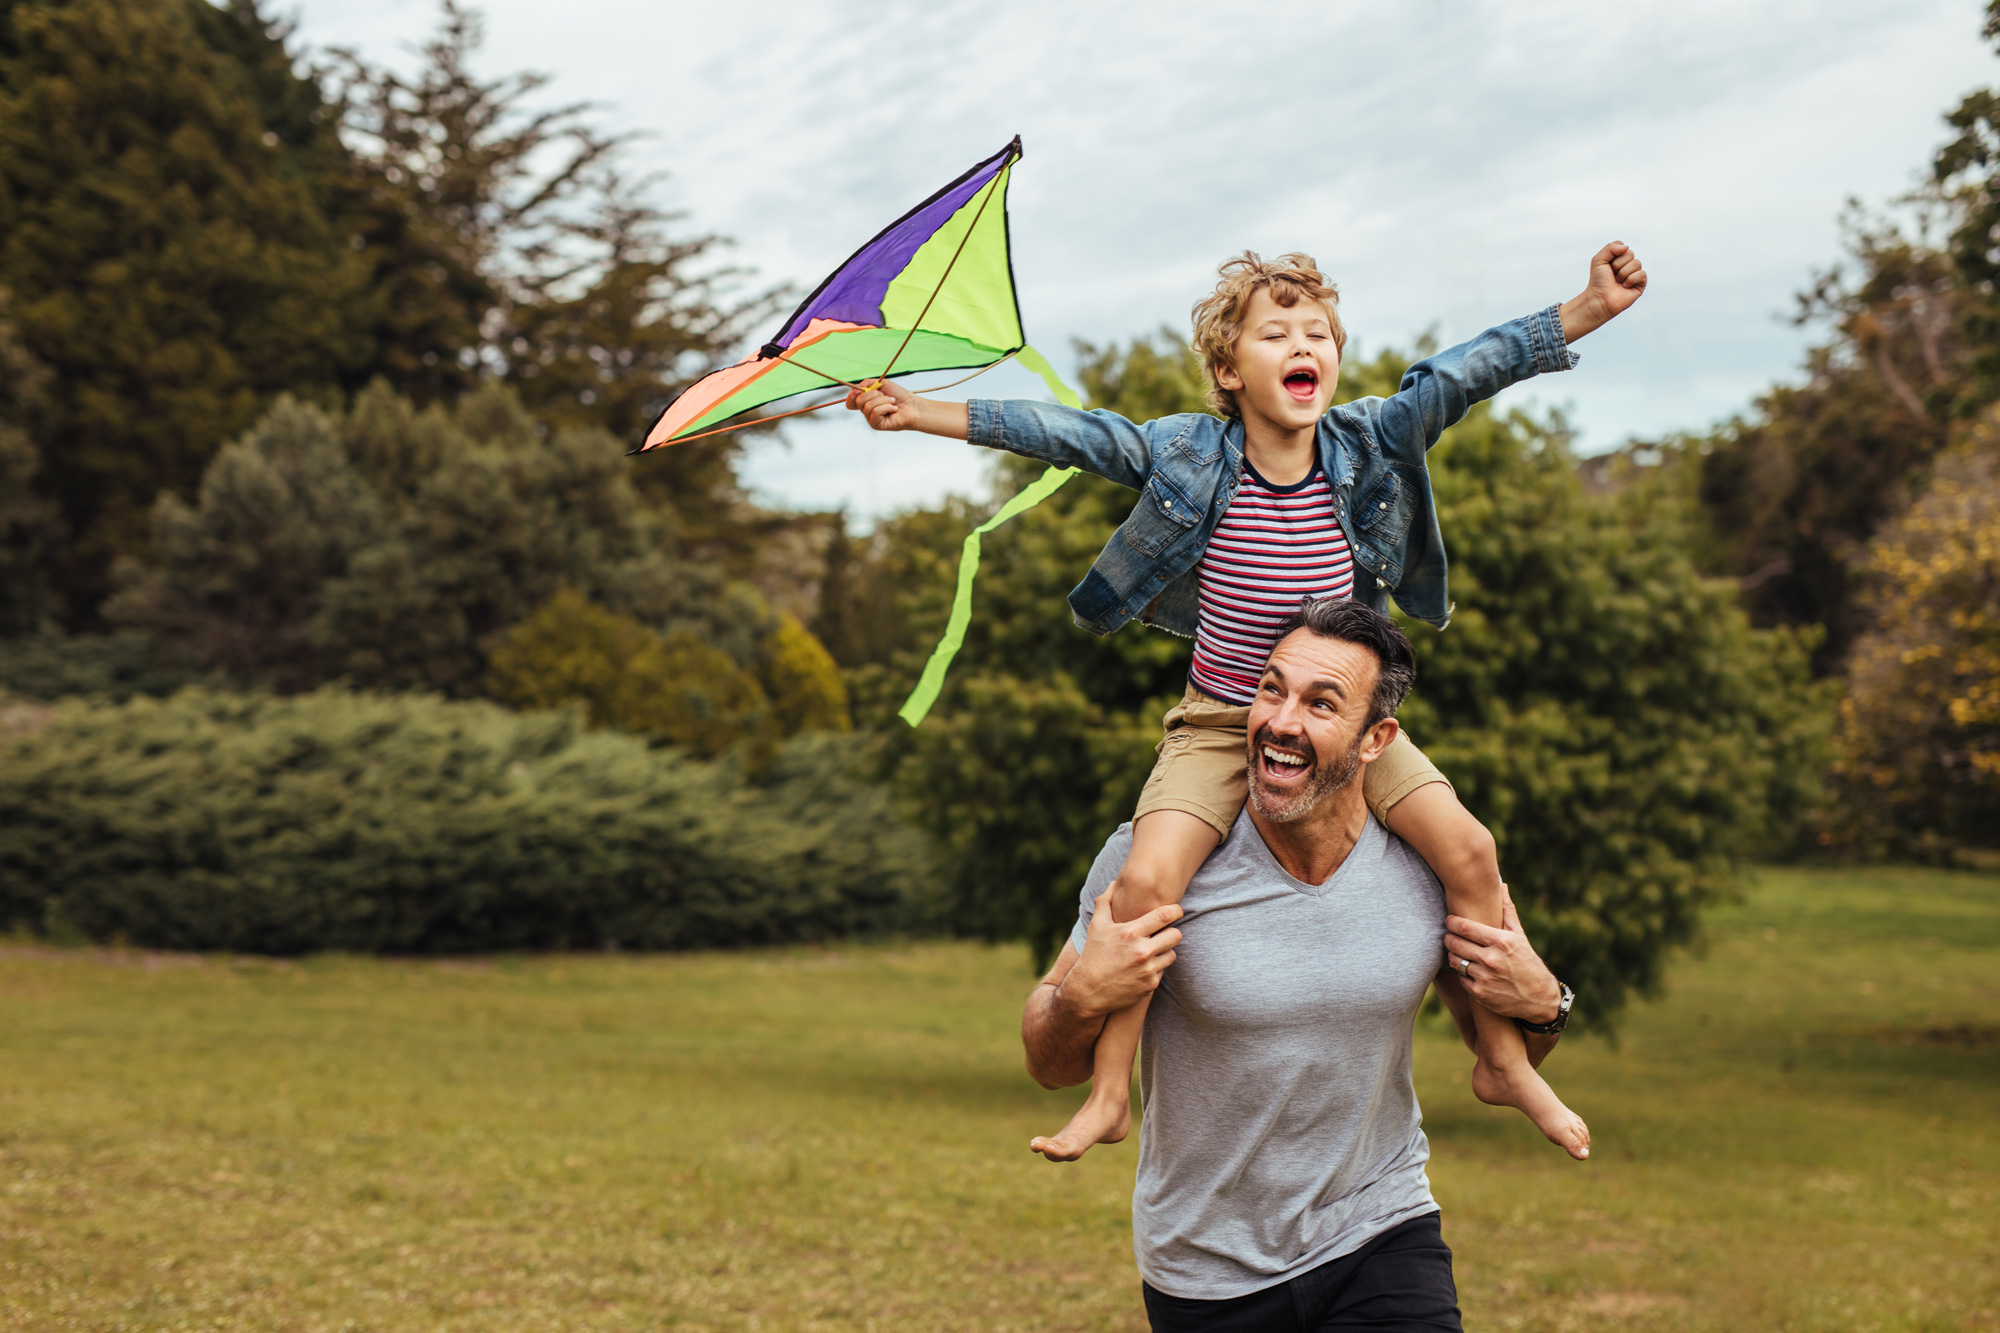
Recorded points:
(1370, 832)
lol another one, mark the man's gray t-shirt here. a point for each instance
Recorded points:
(1281, 1127)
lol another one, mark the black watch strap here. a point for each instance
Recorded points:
(1560, 1021)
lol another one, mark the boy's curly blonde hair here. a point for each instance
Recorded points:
(1218, 317)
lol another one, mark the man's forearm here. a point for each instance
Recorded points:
(1058, 1039)
(1459, 1005)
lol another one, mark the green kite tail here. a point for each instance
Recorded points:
(921, 698)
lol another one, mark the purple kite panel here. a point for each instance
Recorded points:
(853, 295)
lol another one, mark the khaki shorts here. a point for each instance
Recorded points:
(1203, 769)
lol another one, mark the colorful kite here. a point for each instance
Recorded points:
(934, 291)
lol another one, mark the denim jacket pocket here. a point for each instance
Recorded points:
(1162, 517)
(1383, 511)
(1199, 448)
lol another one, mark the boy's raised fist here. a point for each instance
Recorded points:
(1617, 279)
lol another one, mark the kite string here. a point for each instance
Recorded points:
(992, 187)
(786, 357)
(801, 411)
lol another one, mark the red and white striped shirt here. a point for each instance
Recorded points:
(1275, 545)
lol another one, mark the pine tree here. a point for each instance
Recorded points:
(163, 230)
(505, 243)
(28, 524)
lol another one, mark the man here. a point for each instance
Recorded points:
(1281, 1178)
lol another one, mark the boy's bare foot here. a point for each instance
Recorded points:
(1098, 1120)
(1529, 1093)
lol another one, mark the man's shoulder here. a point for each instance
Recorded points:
(1110, 860)
(1391, 856)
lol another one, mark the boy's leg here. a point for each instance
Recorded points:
(1195, 792)
(1419, 807)
(1168, 846)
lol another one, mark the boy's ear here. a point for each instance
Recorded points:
(1227, 378)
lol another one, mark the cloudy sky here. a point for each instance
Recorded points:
(1453, 163)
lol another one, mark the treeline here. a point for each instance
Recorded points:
(466, 677)
(1861, 505)
(193, 223)
(316, 386)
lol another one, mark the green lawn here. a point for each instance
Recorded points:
(1803, 1134)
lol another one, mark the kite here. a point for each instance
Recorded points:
(933, 291)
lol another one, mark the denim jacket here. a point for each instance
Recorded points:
(1187, 469)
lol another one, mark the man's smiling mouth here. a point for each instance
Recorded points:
(1302, 384)
(1284, 764)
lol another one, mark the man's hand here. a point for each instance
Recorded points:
(887, 405)
(1121, 962)
(1120, 965)
(1507, 976)
(1617, 279)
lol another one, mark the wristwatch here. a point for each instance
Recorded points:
(1560, 1021)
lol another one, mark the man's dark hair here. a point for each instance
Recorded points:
(1359, 623)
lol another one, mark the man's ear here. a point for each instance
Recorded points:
(1379, 738)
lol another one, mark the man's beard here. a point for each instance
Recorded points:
(1325, 780)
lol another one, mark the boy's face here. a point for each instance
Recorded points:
(1286, 364)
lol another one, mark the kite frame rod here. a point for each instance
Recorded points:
(992, 188)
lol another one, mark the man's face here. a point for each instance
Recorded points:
(1306, 727)
(1286, 363)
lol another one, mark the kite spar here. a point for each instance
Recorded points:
(933, 291)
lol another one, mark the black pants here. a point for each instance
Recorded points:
(1401, 1280)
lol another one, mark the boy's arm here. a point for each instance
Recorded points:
(1461, 853)
(1438, 391)
(1103, 443)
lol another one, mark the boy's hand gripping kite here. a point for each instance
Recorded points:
(934, 291)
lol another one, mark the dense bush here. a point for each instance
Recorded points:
(411, 824)
(51, 665)
(676, 687)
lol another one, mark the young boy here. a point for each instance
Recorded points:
(1239, 518)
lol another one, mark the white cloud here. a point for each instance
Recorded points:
(1454, 163)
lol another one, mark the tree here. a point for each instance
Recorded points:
(1608, 711)
(1917, 757)
(504, 242)
(164, 233)
(28, 523)
(675, 688)
(1796, 490)
(803, 682)
(392, 547)
(1967, 171)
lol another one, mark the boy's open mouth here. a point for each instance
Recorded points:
(1302, 384)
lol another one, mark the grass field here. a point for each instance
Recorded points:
(1803, 1134)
